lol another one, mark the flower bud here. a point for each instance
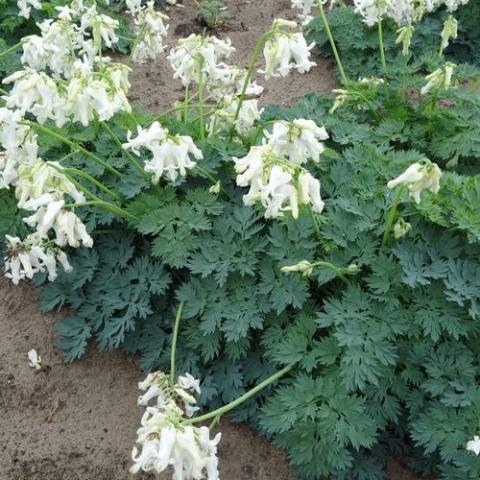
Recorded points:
(304, 267)
(401, 228)
(450, 30)
(405, 38)
(440, 78)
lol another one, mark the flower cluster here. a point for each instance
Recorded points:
(23, 259)
(300, 140)
(41, 188)
(165, 437)
(418, 177)
(402, 12)
(65, 78)
(286, 50)
(273, 169)
(198, 59)
(227, 90)
(201, 60)
(25, 7)
(171, 153)
(440, 78)
(65, 75)
(20, 146)
(150, 31)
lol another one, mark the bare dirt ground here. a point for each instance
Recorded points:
(154, 86)
(78, 422)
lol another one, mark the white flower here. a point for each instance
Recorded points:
(188, 382)
(474, 445)
(453, 5)
(279, 184)
(20, 144)
(171, 154)
(165, 439)
(25, 7)
(227, 89)
(440, 78)
(285, 51)
(102, 26)
(90, 93)
(33, 255)
(54, 48)
(373, 81)
(230, 81)
(43, 180)
(402, 12)
(150, 32)
(68, 228)
(134, 6)
(146, 137)
(309, 192)
(224, 117)
(371, 10)
(172, 157)
(251, 172)
(34, 359)
(418, 177)
(36, 93)
(304, 5)
(279, 195)
(198, 58)
(299, 140)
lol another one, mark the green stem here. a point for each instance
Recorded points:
(256, 55)
(315, 223)
(243, 398)
(10, 50)
(129, 156)
(66, 157)
(212, 179)
(201, 91)
(392, 215)
(174, 109)
(382, 48)
(120, 212)
(185, 104)
(326, 25)
(174, 342)
(368, 103)
(71, 144)
(214, 422)
(339, 272)
(99, 185)
(434, 100)
(94, 198)
(261, 129)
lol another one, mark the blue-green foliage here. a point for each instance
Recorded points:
(386, 361)
(358, 44)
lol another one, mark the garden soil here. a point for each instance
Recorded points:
(78, 421)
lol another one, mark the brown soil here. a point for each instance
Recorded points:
(78, 422)
(154, 86)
